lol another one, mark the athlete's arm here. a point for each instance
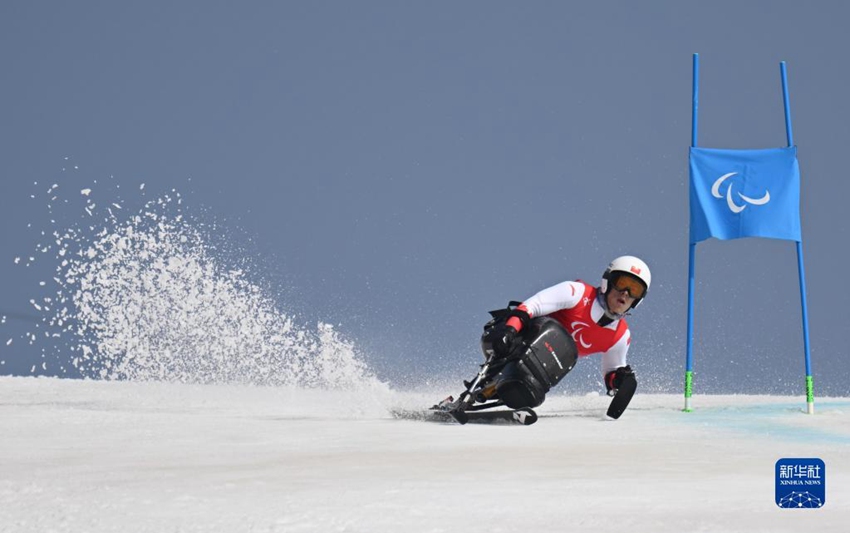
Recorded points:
(564, 295)
(616, 356)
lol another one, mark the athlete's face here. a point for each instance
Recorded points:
(619, 301)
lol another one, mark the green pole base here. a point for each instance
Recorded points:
(810, 396)
(689, 390)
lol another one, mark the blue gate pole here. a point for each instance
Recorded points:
(689, 360)
(810, 395)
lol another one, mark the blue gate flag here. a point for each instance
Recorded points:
(745, 193)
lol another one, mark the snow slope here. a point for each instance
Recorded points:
(93, 456)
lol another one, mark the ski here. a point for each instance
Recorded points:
(623, 397)
(524, 417)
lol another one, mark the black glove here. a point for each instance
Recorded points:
(614, 378)
(504, 342)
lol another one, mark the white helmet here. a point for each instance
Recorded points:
(631, 266)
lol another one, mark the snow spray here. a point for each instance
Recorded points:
(146, 297)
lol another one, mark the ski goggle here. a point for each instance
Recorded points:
(631, 285)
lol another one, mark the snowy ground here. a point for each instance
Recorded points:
(88, 456)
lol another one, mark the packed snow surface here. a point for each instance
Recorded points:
(97, 456)
(212, 409)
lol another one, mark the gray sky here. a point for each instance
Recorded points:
(402, 168)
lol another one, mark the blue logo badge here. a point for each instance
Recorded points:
(800, 483)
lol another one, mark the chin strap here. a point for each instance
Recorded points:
(607, 317)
